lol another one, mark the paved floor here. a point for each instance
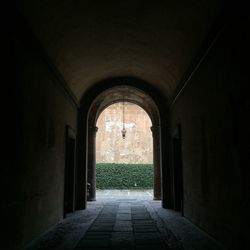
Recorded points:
(125, 220)
(124, 194)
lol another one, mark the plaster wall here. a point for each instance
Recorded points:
(137, 147)
(213, 112)
(44, 110)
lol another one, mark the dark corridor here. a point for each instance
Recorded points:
(184, 62)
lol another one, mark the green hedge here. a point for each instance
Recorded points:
(124, 176)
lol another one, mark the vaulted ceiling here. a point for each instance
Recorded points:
(90, 40)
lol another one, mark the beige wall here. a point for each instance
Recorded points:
(137, 147)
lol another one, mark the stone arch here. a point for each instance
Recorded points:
(119, 94)
(93, 103)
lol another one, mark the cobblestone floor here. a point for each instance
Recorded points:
(124, 225)
(125, 222)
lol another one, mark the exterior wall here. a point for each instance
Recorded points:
(137, 147)
(37, 179)
(213, 112)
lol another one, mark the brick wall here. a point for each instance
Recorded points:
(137, 147)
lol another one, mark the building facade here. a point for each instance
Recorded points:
(136, 147)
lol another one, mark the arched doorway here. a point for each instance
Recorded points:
(124, 151)
(93, 103)
(127, 94)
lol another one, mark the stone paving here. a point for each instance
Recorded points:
(125, 222)
(123, 225)
(124, 194)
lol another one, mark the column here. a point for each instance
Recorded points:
(156, 161)
(91, 185)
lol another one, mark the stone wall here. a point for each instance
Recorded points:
(212, 112)
(44, 110)
(137, 147)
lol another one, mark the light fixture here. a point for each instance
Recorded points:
(123, 126)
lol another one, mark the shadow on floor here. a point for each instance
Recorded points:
(130, 221)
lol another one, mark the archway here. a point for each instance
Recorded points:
(93, 103)
(124, 151)
(119, 94)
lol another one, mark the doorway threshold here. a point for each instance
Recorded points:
(124, 194)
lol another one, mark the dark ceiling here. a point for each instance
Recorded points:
(89, 41)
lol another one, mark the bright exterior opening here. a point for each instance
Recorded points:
(124, 151)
